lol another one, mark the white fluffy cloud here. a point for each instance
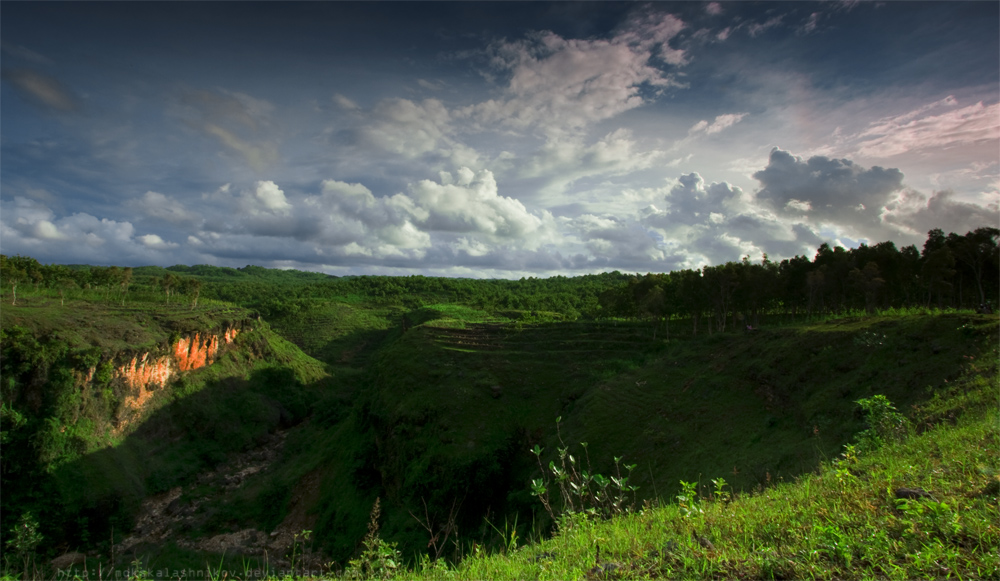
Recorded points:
(470, 202)
(29, 227)
(562, 86)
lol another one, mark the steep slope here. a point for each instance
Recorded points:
(93, 424)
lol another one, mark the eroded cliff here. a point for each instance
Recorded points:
(146, 373)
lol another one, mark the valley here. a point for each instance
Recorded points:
(256, 428)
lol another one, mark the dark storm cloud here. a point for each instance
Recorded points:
(821, 188)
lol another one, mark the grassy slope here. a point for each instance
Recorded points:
(840, 521)
(110, 326)
(455, 412)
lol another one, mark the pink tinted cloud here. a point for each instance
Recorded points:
(916, 131)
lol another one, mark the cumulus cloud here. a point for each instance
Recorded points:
(42, 90)
(825, 190)
(29, 227)
(462, 211)
(915, 213)
(470, 202)
(155, 242)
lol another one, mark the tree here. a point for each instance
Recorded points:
(937, 270)
(978, 250)
(168, 283)
(124, 280)
(192, 287)
(13, 274)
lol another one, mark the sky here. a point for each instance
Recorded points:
(496, 140)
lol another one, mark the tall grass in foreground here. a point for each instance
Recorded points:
(844, 521)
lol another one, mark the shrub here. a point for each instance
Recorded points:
(885, 424)
(581, 490)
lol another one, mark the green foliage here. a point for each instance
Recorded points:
(885, 424)
(581, 490)
(22, 543)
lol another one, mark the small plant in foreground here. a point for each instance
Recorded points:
(378, 559)
(581, 490)
(687, 500)
(24, 542)
(298, 546)
(885, 424)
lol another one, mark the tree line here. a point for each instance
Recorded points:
(955, 271)
(950, 271)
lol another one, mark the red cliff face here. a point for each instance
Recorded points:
(145, 373)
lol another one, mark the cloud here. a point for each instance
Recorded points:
(560, 86)
(431, 85)
(159, 206)
(27, 54)
(810, 24)
(915, 213)
(836, 191)
(561, 163)
(469, 202)
(42, 90)
(408, 128)
(29, 227)
(345, 103)
(155, 242)
(720, 123)
(713, 8)
(915, 131)
(757, 28)
(266, 197)
(236, 120)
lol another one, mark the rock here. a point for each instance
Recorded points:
(176, 506)
(704, 542)
(913, 493)
(604, 571)
(67, 560)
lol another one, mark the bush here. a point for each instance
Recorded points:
(885, 424)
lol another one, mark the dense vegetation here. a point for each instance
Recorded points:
(425, 396)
